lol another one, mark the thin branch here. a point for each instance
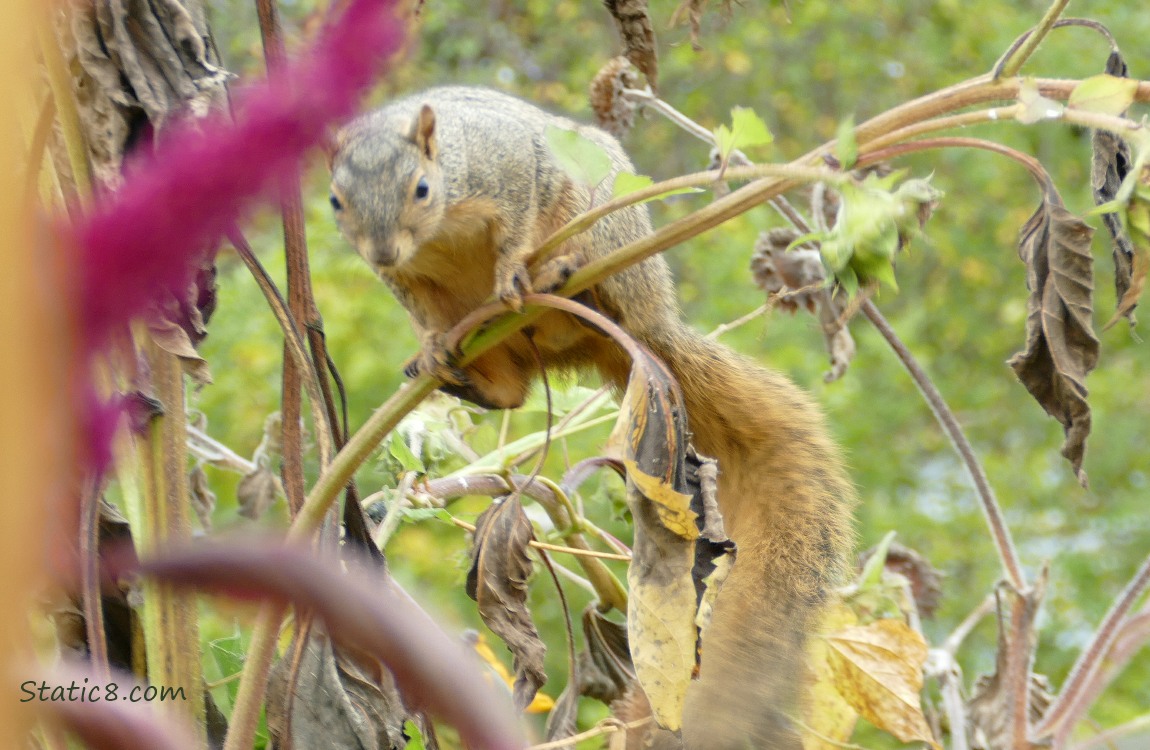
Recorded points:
(1069, 706)
(573, 551)
(752, 315)
(1026, 46)
(605, 727)
(955, 639)
(1109, 736)
(293, 341)
(950, 426)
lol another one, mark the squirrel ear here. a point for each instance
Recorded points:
(423, 131)
(331, 143)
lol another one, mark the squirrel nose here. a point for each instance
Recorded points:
(377, 253)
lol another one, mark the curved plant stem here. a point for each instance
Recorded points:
(950, 426)
(293, 342)
(1041, 176)
(1016, 58)
(1069, 706)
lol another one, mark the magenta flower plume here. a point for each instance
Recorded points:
(147, 238)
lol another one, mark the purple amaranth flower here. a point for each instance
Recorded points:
(149, 237)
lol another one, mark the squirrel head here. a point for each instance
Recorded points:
(387, 189)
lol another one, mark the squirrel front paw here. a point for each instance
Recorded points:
(555, 273)
(512, 283)
(435, 359)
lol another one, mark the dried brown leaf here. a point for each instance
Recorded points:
(796, 279)
(877, 669)
(605, 669)
(562, 719)
(339, 699)
(497, 581)
(1006, 704)
(1110, 163)
(1061, 348)
(174, 340)
(634, 23)
(256, 492)
(202, 497)
(139, 58)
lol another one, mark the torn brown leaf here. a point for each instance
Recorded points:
(1005, 704)
(605, 669)
(340, 700)
(497, 581)
(1109, 164)
(1061, 348)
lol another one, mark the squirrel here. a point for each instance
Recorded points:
(445, 194)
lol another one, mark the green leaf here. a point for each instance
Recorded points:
(846, 144)
(401, 451)
(582, 158)
(627, 183)
(747, 131)
(872, 572)
(1104, 94)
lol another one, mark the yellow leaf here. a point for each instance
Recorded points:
(540, 704)
(828, 716)
(877, 669)
(674, 508)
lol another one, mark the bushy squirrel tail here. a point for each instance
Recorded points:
(786, 502)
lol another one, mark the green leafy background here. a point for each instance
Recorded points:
(803, 68)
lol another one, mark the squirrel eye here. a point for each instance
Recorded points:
(422, 188)
(335, 202)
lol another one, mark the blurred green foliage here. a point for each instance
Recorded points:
(804, 68)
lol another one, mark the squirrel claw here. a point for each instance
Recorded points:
(512, 285)
(437, 360)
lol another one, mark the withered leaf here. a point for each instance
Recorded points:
(256, 492)
(877, 669)
(669, 513)
(497, 581)
(561, 721)
(1000, 698)
(1061, 348)
(1110, 163)
(338, 699)
(138, 57)
(794, 279)
(203, 499)
(634, 23)
(605, 669)
(173, 339)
